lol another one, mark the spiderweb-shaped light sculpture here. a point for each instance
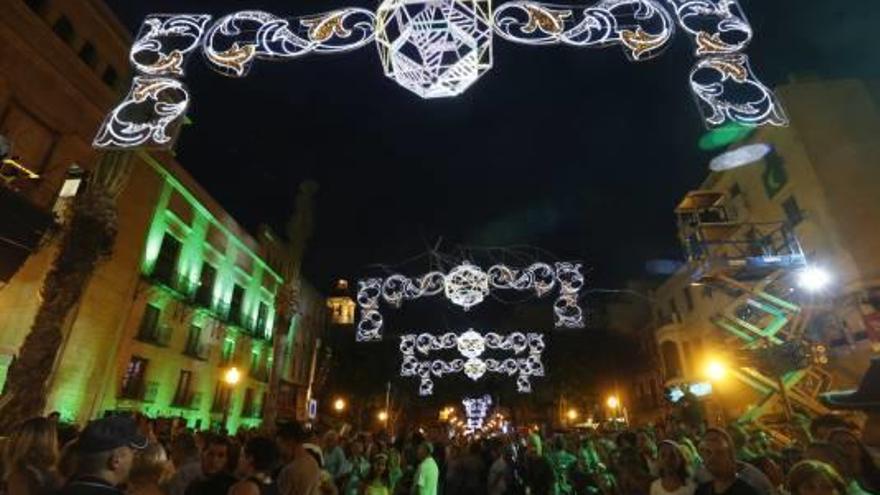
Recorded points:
(475, 410)
(467, 285)
(526, 349)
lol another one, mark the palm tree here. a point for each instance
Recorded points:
(88, 238)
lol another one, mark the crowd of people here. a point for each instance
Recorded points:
(126, 454)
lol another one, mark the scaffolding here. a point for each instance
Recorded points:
(753, 263)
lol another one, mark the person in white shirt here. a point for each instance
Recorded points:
(675, 476)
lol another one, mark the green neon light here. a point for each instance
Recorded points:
(724, 136)
(194, 202)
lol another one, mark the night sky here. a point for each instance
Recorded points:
(574, 151)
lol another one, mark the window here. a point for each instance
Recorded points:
(228, 351)
(255, 362)
(194, 342)
(262, 319)
(248, 409)
(688, 298)
(221, 397)
(671, 360)
(150, 330)
(207, 279)
(235, 305)
(793, 212)
(64, 29)
(133, 379)
(183, 396)
(165, 269)
(88, 54)
(110, 77)
(673, 308)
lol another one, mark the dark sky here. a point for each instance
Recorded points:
(575, 151)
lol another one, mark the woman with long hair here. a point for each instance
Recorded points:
(814, 478)
(378, 481)
(30, 458)
(150, 470)
(675, 472)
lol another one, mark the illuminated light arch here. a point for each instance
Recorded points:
(475, 410)
(439, 48)
(467, 285)
(526, 348)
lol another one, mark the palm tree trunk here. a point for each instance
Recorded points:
(88, 238)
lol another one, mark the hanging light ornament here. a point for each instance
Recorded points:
(435, 48)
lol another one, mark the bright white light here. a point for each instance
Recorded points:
(476, 409)
(715, 26)
(182, 33)
(642, 28)
(744, 155)
(471, 346)
(727, 90)
(236, 40)
(435, 48)
(813, 278)
(467, 285)
(160, 101)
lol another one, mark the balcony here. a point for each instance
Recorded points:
(139, 390)
(158, 335)
(19, 238)
(197, 351)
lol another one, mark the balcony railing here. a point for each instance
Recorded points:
(196, 351)
(158, 335)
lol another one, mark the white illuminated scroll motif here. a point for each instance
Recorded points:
(716, 27)
(148, 117)
(642, 28)
(467, 285)
(727, 90)
(236, 40)
(435, 48)
(164, 41)
(475, 410)
(471, 345)
(370, 325)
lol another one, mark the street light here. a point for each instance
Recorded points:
(339, 405)
(231, 377)
(716, 370)
(383, 416)
(813, 278)
(571, 414)
(613, 402)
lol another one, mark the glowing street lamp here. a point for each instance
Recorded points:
(716, 370)
(813, 279)
(231, 377)
(613, 402)
(571, 414)
(339, 405)
(383, 416)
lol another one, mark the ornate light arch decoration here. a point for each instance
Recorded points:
(467, 285)
(475, 410)
(437, 48)
(526, 349)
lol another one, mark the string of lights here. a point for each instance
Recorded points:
(467, 285)
(439, 48)
(471, 346)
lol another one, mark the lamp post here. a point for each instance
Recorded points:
(716, 370)
(231, 378)
(339, 405)
(613, 403)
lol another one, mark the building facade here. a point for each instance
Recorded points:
(819, 183)
(186, 295)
